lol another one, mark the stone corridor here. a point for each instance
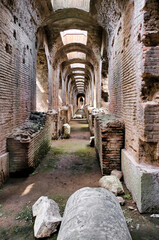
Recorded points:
(92, 65)
(70, 165)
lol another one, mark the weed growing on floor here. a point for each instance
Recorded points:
(56, 151)
(127, 196)
(17, 233)
(25, 214)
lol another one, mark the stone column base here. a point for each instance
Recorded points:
(143, 182)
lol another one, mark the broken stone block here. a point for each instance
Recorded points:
(93, 214)
(47, 215)
(142, 180)
(66, 130)
(112, 184)
(117, 173)
(121, 201)
(92, 141)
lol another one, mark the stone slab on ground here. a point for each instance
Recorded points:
(4, 167)
(91, 214)
(112, 184)
(47, 215)
(143, 182)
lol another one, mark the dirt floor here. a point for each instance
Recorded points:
(70, 164)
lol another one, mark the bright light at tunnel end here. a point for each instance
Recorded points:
(77, 65)
(74, 36)
(79, 4)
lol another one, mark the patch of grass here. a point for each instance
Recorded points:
(56, 151)
(88, 169)
(34, 173)
(17, 233)
(127, 196)
(25, 214)
(23, 230)
(129, 220)
(54, 237)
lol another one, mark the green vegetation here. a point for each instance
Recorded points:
(127, 196)
(129, 220)
(56, 151)
(24, 232)
(25, 214)
(40, 154)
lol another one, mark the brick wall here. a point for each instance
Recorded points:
(25, 155)
(17, 66)
(109, 140)
(125, 72)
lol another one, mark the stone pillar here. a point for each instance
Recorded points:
(63, 92)
(92, 89)
(50, 80)
(98, 84)
(57, 86)
(93, 213)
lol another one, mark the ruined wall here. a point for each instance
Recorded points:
(125, 72)
(125, 65)
(17, 63)
(149, 107)
(19, 22)
(109, 140)
(133, 53)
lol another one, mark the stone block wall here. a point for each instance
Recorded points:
(109, 140)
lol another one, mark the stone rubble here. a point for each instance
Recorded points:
(112, 184)
(47, 215)
(66, 131)
(117, 173)
(154, 216)
(121, 201)
(26, 132)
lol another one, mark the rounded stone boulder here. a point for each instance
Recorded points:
(93, 214)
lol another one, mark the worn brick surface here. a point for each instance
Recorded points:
(109, 140)
(23, 155)
(17, 69)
